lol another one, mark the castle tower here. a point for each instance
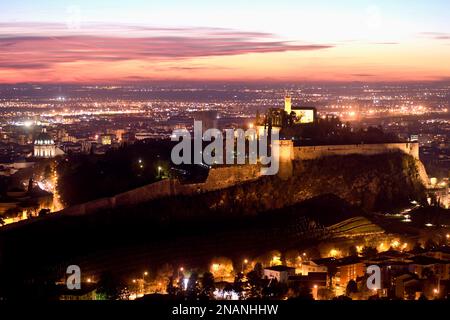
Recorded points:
(288, 104)
(286, 156)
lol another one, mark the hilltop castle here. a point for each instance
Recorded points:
(290, 116)
(302, 137)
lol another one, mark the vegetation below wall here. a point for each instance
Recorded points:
(378, 182)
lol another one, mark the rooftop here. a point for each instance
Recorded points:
(280, 268)
(423, 260)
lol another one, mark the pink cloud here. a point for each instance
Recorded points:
(35, 46)
(436, 35)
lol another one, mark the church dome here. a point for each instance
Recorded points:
(44, 139)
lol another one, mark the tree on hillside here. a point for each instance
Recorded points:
(255, 283)
(171, 290)
(111, 287)
(228, 288)
(258, 268)
(369, 252)
(238, 284)
(208, 285)
(352, 287)
(352, 251)
(193, 290)
(430, 245)
(417, 248)
(331, 270)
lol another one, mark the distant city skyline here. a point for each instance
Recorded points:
(104, 42)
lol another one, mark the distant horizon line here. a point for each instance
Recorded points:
(231, 82)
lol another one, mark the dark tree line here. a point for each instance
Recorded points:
(85, 177)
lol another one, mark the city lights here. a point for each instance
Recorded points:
(190, 155)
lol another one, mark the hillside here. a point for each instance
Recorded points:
(378, 182)
(324, 199)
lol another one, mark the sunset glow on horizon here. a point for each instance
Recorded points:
(98, 41)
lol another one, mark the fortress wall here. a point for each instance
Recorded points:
(218, 178)
(97, 204)
(315, 152)
(148, 192)
(227, 176)
(76, 210)
(423, 173)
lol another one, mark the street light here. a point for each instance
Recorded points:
(143, 281)
(159, 171)
(136, 288)
(315, 292)
(243, 264)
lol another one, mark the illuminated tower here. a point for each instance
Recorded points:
(288, 104)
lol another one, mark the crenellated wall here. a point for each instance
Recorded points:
(315, 152)
(289, 153)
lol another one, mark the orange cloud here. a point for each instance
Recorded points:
(55, 50)
(104, 53)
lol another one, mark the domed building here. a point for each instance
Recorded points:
(44, 146)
